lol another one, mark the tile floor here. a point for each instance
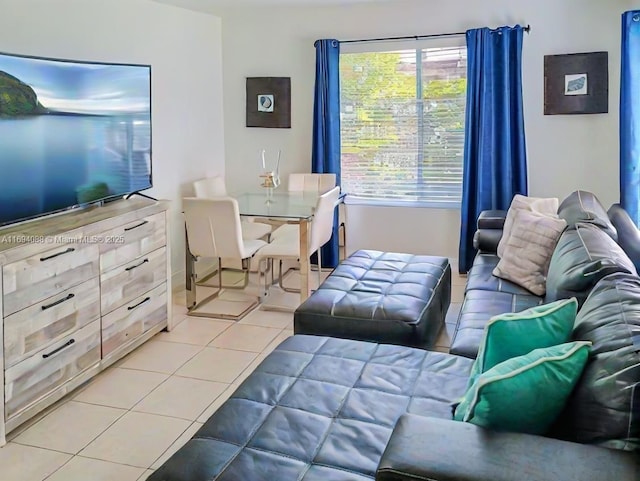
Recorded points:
(132, 417)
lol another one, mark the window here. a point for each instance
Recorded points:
(402, 123)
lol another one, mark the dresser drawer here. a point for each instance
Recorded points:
(130, 241)
(50, 368)
(44, 275)
(43, 324)
(124, 283)
(124, 324)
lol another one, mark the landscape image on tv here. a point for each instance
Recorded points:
(71, 133)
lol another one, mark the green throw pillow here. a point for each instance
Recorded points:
(526, 393)
(517, 333)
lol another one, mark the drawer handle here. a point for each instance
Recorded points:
(131, 308)
(70, 249)
(137, 265)
(55, 351)
(60, 301)
(127, 229)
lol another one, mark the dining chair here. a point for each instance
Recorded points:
(213, 231)
(212, 187)
(319, 183)
(287, 246)
(306, 183)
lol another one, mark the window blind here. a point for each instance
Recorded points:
(402, 124)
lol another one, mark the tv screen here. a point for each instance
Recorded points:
(71, 133)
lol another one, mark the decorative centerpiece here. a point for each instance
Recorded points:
(271, 177)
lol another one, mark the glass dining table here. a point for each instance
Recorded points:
(288, 207)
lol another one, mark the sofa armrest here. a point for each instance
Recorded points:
(486, 240)
(423, 448)
(492, 219)
(489, 233)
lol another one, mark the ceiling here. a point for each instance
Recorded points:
(211, 6)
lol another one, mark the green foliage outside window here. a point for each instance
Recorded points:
(399, 137)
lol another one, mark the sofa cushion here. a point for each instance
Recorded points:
(481, 277)
(605, 406)
(516, 334)
(583, 256)
(478, 308)
(582, 206)
(527, 253)
(522, 202)
(423, 449)
(525, 393)
(318, 408)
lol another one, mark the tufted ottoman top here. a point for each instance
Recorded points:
(381, 297)
(318, 409)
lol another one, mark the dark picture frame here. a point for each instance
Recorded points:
(576, 83)
(269, 102)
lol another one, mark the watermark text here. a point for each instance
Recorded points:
(60, 239)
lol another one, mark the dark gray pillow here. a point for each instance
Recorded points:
(583, 256)
(605, 405)
(583, 206)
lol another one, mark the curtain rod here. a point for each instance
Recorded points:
(417, 37)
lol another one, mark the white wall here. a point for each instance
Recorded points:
(184, 50)
(564, 152)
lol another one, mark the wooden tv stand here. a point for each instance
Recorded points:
(80, 290)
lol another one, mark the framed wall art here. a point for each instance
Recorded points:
(269, 102)
(576, 83)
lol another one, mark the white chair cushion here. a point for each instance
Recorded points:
(282, 247)
(251, 247)
(286, 230)
(254, 230)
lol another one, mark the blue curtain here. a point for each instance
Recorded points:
(630, 115)
(495, 165)
(325, 157)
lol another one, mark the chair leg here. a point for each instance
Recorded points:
(192, 303)
(266, 287)
(281, 280)
(280, 283)
(190, 279)
(219, 274)
(268, 268)
(203, 282)
(267, 307)
(272, 269)
(192, 308)
(319, 266)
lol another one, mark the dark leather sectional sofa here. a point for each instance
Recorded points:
(321, 408)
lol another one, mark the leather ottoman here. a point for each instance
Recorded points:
(381, 297)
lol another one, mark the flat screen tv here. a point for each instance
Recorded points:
(71, 133)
